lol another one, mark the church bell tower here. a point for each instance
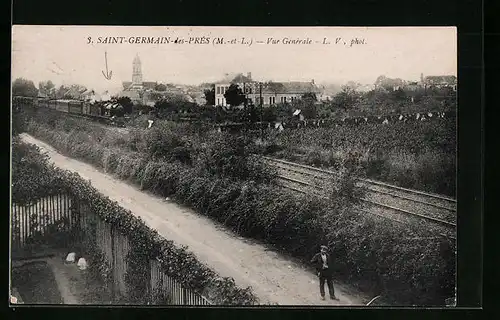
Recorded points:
(136, 73)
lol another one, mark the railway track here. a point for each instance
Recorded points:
(432, 212)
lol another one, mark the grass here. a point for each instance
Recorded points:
(36, 283)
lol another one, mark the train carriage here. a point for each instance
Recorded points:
(70, 106)
(75, 107)
(62, 105)
(27, 101)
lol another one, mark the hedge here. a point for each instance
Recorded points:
(176, 262)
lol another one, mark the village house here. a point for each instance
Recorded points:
(446, 81)
(77, 93)
(387, 84)
(145, 85)
(272, 92)
(412, 86)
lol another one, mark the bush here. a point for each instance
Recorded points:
(230, 156)
(160, 140)
(30, 172)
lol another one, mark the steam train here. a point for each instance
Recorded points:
(69, 106)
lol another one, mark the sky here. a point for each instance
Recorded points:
(65, 55)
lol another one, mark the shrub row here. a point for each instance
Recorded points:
(147, 243)
(418, 271)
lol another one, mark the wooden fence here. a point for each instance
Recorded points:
(173, 292)
(37, 218)
(70, 214)
(115, 247)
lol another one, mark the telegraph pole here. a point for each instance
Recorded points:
(245, 94)
(261, 113)
(245, 108)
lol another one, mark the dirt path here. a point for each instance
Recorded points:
(63, 282)
(273, 278)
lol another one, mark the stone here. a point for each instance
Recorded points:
(82, 264)
(71, 257)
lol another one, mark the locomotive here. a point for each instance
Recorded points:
(77, 107)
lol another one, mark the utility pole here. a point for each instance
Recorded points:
(245, 110)
(261, 113)
(245, 100)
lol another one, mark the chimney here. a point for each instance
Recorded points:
(249, 75)
(312, 81)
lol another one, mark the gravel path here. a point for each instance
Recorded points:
(274, 278)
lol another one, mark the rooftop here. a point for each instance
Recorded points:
(236, 78)
(441, 79)
(289, 87)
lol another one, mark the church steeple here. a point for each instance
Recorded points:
(136, 72)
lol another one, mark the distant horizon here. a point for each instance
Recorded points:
(64, 55)
(321, 83)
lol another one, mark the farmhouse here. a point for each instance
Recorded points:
(272, 92)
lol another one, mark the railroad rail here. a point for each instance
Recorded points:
(432, 211)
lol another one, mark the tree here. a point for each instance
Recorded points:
(23, 87)
(170, 104)
(47, 88)
(234, 95)
(269, 114)
(160, 87)
(398, 95)
(74, 91)
(353, 85)
(210, 96)
(60, 93)
(388, 83)
(346, 99)
(155, 96)
(251, 114)
(307, 105)
(126, 103)
(309, 97)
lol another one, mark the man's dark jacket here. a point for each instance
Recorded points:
(318, 261)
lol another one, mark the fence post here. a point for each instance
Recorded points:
(113, 286)
(149, 289)
(75, 209)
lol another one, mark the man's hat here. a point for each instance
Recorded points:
(324, 247)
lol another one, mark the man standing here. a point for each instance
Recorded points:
(323, 263)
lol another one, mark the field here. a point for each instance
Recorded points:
(213, 173)
(420, 155)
